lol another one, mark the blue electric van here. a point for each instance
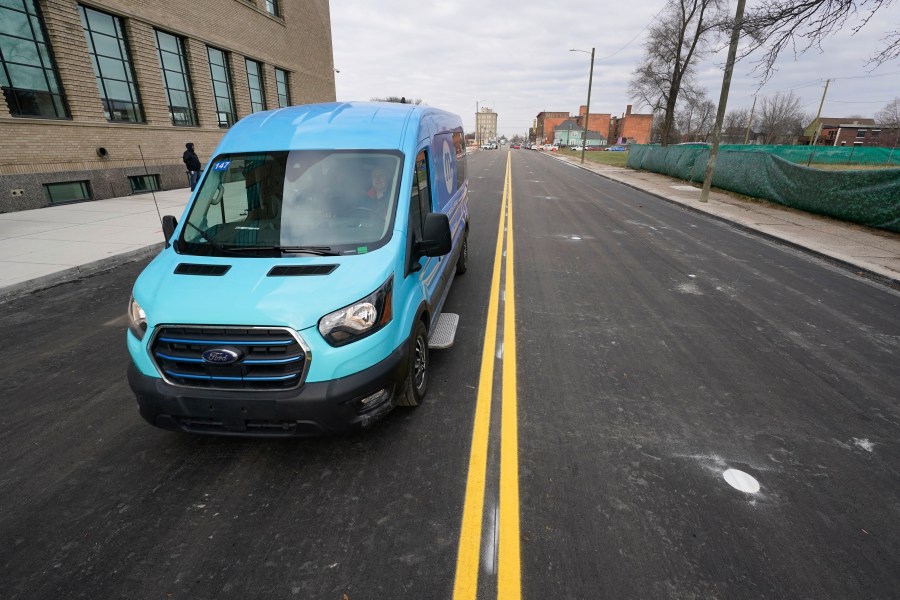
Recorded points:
(303, 287)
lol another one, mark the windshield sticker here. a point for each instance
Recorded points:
(221, 165)
(362, 249)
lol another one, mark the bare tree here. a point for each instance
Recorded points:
(696, 117)
(781, 118)
(774, 25)
(399, 100)
(735, 125)
(674, 43)
(890, 115)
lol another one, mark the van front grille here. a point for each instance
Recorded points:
(230, 358)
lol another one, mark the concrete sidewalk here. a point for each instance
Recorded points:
(873, 252)
(46, 246)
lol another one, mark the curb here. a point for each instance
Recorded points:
(18, 290)
(873, 276)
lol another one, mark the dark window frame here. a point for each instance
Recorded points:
(225, 118)
(152, 178)
(284, 93)
(260, 104)
(273, 8)
(88, 192)
(131, 109)
(40, 39)
(191, 119)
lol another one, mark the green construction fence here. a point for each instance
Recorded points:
(868, 197)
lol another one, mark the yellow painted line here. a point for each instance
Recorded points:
(465, 586)
(509, 580)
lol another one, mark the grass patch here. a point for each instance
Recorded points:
(830, 167)
(615, 159)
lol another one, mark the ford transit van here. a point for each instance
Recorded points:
(304, 284)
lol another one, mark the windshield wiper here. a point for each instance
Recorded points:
(315, 250)
(212, 243)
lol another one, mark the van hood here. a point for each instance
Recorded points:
(247, 295)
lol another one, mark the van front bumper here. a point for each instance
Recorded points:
(315, 408)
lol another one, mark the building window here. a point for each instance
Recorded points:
(255, 81)
(141, 184)
(221, 80)
(176, 79)
(272, 8)
(27, 72)
(281, 83)
(861, 133)
(69, 191)
(112, 64)
(875, 133)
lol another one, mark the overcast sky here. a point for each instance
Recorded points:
(513, 56)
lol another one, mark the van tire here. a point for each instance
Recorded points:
(462, 263)
(417, 376)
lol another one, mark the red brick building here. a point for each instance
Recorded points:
(546, 123)
(596, 122)
(630, 128)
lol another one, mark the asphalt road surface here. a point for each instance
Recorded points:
(652, 351)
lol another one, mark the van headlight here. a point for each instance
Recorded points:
(137, 319)
(360, 319)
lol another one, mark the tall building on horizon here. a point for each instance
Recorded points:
(485, 125)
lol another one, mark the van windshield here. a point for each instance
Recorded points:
(302, 201)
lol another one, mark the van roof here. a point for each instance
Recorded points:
(336, 125)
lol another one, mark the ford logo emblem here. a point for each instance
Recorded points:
(221, 356)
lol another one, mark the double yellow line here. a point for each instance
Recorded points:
(509, 585)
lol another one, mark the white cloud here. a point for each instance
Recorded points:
(514, 57)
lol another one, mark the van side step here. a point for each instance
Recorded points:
(444, 331)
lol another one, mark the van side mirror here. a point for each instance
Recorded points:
(436, 237)
(169, 223)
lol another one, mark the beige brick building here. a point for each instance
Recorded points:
(485, 125)
(90, 86)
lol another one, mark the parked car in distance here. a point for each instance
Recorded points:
(616, 149)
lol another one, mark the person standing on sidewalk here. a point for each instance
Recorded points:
(193, 165)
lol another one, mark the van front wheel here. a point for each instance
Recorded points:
(417, 376)
(462, 263)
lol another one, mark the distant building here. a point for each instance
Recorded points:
(101, 98)
(485, 125)
(596, 121)
(631, 128)
(570, 133)
(825, 129)
(546, 123)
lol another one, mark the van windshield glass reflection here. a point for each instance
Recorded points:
(320, 202)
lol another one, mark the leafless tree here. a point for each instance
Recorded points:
(774, 25)
(890, 115)
(399, 100)
(734, 127)
(674, 43)
(781, 118)
(696, 117)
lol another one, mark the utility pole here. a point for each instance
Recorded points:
(587, 112)
(723, 100)
(819, 112)
(750, 122)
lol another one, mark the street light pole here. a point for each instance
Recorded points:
(587, 112)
